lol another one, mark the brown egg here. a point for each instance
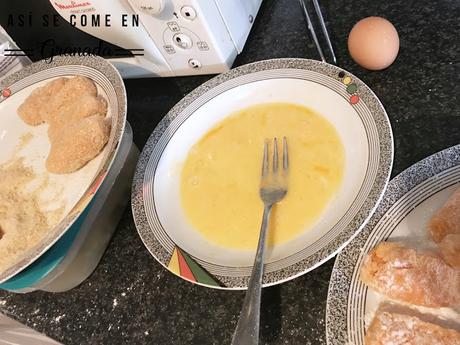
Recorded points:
(373, 43)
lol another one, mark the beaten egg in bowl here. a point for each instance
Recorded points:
(219, 184)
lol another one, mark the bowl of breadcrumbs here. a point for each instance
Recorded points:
(61, 125)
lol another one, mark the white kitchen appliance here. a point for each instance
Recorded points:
(178, 37)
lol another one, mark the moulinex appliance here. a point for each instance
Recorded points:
(142, 38)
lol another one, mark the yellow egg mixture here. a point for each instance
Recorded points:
(221, 175)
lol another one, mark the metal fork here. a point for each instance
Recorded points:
(273, 188)
(323, 27)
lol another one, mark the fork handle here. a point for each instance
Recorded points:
(247, 329)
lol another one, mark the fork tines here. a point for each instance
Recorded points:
(265, 163)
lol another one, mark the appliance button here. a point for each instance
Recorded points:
(188, 12)
(202, 45)
(169, 49)
(173, 26)
(194, 63)
(182, 41)
(152, 7)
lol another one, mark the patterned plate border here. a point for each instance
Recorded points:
(380, 141)
(347, 294)
(108, 78)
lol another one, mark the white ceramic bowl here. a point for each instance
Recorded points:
(345, 101)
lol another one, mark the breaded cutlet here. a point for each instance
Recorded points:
(73, 90)
(35, 109)
(85, 106)
(77, 143)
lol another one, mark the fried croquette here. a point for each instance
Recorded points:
(450, 249)
(399, 329)
(407, 275)
(447, 219)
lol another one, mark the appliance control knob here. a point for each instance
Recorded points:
(182, 41)
(152, 7)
